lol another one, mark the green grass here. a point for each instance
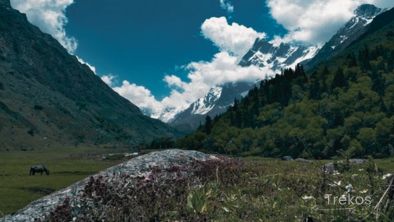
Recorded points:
(66, 166)
(265, 189)
(274, 190)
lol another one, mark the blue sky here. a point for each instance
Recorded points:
(163, 55)
(142, 41)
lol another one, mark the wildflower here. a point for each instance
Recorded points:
(226, 209)
(335, 173)
(307, 197)
(349, 188)
(386, 176)
(364, 191)
(335, 184)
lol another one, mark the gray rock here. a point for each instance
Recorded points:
(357, 161)
(302, 160)
(137, 167)
(287, 158)
(329, 168)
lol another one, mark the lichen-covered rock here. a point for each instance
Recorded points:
(117, 177)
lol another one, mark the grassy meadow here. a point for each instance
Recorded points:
(263, 190)
(66, 166)
(275, 190)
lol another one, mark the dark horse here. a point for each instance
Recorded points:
(38, 169)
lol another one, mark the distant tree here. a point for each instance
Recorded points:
(208, 125)
(339, 79)
(351, 60)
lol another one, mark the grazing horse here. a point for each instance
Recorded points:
(38, 169)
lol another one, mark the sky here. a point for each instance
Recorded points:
(142, 41)
(163, 55)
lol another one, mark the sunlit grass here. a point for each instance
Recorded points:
(66, 166)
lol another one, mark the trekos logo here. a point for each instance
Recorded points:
(348, 200)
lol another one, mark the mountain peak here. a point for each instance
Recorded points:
(367, 10)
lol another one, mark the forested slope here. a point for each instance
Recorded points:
(343, 106)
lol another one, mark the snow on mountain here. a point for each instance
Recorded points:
(166, 115)
(203, 105)
(277, 55)
(273, 55)
(215, 102)
(353, 29)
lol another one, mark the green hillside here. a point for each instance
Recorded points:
(342, 107)
(49, 99)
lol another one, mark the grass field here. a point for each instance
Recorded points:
(266, 189)
(66, 166)
(275, 190)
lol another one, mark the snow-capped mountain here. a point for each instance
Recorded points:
(215, 102)
(277, 55)
(269, 54)
(263, 54)
(352, 30)
(204, 105)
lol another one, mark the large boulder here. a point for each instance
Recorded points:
(124, 174)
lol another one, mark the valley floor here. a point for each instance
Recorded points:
(261, 190)
(66, 166)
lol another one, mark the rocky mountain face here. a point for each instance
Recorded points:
(291, 113)
(95, 198)
(277, 56)
(217, 100)
(351, 31)
(48, 98)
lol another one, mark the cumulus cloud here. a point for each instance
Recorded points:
(50, 17)
(383, 3)
(140, 96)
(204, 75)
(91, 67)
(108, 79)
(174, 81)
(233, 41)
(227, 6)
(315, 21)
(233, 38)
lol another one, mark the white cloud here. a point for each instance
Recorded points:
(140, 96)
(108, 79)
(233, 42)
(91, 67)
(49, 16)
(383, 3)
(203, 76)
(233, 38)
(226, 5)
(315, 21)
(174, 81)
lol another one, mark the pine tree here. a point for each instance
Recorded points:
(208, 125)
(339, 79)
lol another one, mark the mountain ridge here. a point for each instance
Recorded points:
(47, 97)
(217, 100)
(346, 35)
(342, 107)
